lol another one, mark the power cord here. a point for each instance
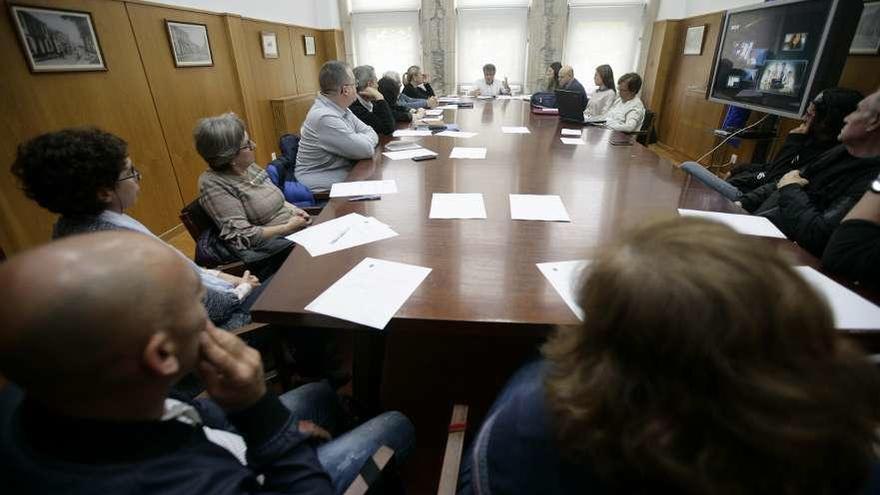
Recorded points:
(728, 138)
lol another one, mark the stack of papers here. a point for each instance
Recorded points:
(341, 233)
(363, 188)
(434, 112)
(744, 224)
(371, 292)
(469, 153)
(564, 277)
(457, 205)
(456, 134)
(545, 207)
(515, 130)
(851, 311)
(410, 133)
(447, 107)
(408, 154)
(571, 132)
(566, 140)
(431, 120)
(505, 97)
(449, 99)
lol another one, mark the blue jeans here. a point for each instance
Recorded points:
(711, 180)
(345, 455)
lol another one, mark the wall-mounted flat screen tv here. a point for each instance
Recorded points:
(776, 56)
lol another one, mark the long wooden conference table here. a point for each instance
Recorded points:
(484, 280)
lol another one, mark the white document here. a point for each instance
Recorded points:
(744, 224)
(447, 107)
(410, 133)
(363, 188)
(341, 233)
(434, 112)
(407, 154)
(572, 140)
(515, 130)
(449, 99)
(371, 292)
(546, 207)
(457, 205)
(430, 121)
(525, 97)
(456, 134)
(505, 97)
(851, 311)
(470, 153)
(564, 277)
(485, 97)
(571, 132)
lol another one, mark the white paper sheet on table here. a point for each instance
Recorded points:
(851, 311)
(485, 97)
(411, 133)
(545, 207)
(515, 130)
(449, 99)
(341, 233)
(457, 205)
(744, 224)
(363, 188)
(456, 134)
(564, 277)
(525, 97)
(434, 112)
(447, 107)
(505, 97)
(471, 153)
(430, 121)
(407, 154)
(566, 140)
(571, 132)
(371, 292)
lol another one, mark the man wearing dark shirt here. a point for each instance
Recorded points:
(569, 83)
(99, 328)
(370, 105)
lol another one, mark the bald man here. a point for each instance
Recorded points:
(567, 82)
(98, 329)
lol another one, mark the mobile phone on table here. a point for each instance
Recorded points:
(423, 158)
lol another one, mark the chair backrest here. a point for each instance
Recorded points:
(195, 219)
(646, 134)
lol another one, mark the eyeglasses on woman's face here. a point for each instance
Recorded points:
(135, 174)
(249, 145)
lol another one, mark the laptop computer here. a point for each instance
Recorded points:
(571, 107)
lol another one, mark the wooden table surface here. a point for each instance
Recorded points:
(484, 276)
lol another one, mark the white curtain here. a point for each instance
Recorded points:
(360, 6)
(387, 41)
(482, 4)
(603, 35)
(498, 36)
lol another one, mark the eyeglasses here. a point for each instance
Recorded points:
(135, 174)
(251, 145)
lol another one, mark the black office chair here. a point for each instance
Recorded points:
(646, 134)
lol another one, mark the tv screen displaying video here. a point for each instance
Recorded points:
(770, 55)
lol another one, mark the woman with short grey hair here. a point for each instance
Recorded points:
(247, 208)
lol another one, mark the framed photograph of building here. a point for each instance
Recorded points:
(190, 46)
(270, 44)
(867, 38)
(56, 40)
(310, 44)
(693, 42)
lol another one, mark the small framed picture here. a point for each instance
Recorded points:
(310, 44)
(56, 40)
(693, 42)
(190, 46)
(270, 44)
(867, 38)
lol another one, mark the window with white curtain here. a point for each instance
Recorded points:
(386, 34)
(606, 34)
(496, 35)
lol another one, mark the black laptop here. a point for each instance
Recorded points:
(571, 107)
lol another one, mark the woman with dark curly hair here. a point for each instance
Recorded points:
(86, 176)
(705, 364)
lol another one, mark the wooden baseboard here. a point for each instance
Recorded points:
(173, 232)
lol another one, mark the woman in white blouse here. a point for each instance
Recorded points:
(600, 101)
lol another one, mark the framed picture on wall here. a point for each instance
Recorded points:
(310, 44)
(867, 38)
(270, 44)
(55, 40)
(693, 42)
(190, 46)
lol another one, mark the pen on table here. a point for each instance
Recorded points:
(340, 235)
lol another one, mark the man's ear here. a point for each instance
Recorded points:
(873, 124)
(105, 195)
(160, 355)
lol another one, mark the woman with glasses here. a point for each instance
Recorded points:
(249, 211)
(86, 176)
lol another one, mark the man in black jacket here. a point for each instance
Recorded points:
(370, 105)
(98, 329)
(854, 248)
(807, 204)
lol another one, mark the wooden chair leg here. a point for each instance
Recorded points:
(454, 449)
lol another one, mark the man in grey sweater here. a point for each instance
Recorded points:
(332, 137)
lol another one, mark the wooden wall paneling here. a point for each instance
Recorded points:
(334, 41)
(117, 100)
(242, 63)
(307, 66)
(861, 72)
(269, 78)
(289, 113)
(658, 65)
(184, 95)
